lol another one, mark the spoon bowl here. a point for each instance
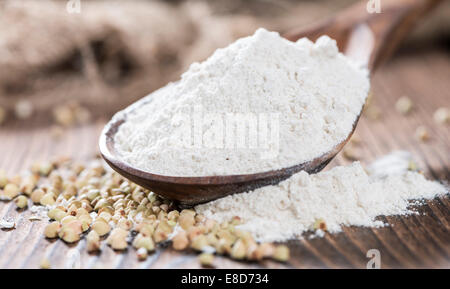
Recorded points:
(366, 38)
(189, 191)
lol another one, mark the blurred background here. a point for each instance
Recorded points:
(63, 75)
(65, 69)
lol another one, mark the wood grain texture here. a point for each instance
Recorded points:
(416, 241)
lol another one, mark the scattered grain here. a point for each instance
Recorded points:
(52, 229)
(422, 133)
(186, 219)
(21, 202)
(145, 242)
(23, 109)
(45, 264)
(118, 239)
(320, 224)
(142, 254)
(5, 224)
(442, 115)
(180, 241)
(93, 241)
(48, 199)
(412, 166)
(238, 250)
(37, 195)
(206, 259)
(11, 191)
(349, 153)
(89, 197)
(3, 179)
(68, 234)
(101, 227)
(281, 253)
(2, 115)
(404, 105)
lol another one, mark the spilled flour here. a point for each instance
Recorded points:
(262, 103)
(342, 196)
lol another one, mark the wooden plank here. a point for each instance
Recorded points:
(410, 242)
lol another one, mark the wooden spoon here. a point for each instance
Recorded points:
(368, 38)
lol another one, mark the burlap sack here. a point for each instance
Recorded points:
(115, 52)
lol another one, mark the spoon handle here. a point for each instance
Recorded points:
(393, 25)
(367, 32)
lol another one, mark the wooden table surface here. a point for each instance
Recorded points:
(410, 242)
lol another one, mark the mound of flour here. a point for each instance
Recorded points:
(262, 103)
(345, 195)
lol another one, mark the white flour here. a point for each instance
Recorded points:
(342, 196)
(309, 94)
